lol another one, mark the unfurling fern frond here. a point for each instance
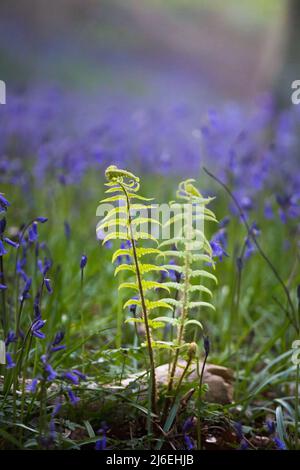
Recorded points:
(129, 221)
(193, 258)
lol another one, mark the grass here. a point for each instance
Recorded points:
(249, 331)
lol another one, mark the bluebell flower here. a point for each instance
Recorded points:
(44, 266)
(10, 364)
(58, 338)
(288, 207)
(3, 286)
(224, 222)
(2, 225)
(32, 386)
(101, 443)
(71, 377)
(37, 308)
(56, 408)
(206, 343)
(52, 433)
(72, 397)
(188, 442)
(246, 203)
(4, 204)
(239, 430)
(41, 220)
(55, 345)
(270, 426)
(48, 285)
(3, 251)
(279, 444)
(11, 242)
(268, 211)
(188, 424)
(250, 249)
(25, 293)
(219, 243)
(80, 374)
(10, 338)
(33, 233)
(83, 262)
(217, 250)
(244, 445)
(36, 327)
(133, 307)
(50, 371)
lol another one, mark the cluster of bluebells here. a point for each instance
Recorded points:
(101, 443)
(219, 241)
(250, 149)
(243, 443)
(70, 377)
(186, 428)
(271, 428)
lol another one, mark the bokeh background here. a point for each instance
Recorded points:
(189, 49)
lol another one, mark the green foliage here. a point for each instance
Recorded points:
(191, 250)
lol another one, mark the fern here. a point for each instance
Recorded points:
(192, 252)
(123, 188)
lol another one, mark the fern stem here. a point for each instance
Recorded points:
(180, 334)
(144, 308)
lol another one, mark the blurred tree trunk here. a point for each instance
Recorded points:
(290, 69)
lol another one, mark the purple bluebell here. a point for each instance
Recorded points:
(246, 203)
(25, 294)
(58, 338)
(41, 220)
(52, 374)
(101, 443)
(56, 408)
(55, 345)
(188, 424)
(33, 233)
(244, 445)
(249, 249)
(4, 204)
(71, 377)
(133, 307)
(239, 430)
(268, 211)
(188, 442)
(206, 344)
(48, 285)
(280, 445)
(10, 242)
(219, 243)
(10, 338)
(83, 262)
(79, 374)
(289, 206)
(72, 397)
(10, 364)
(2, 225)
(270, 424)
(36, 327)
(3, 286)
(32, 386)
(3, 251)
